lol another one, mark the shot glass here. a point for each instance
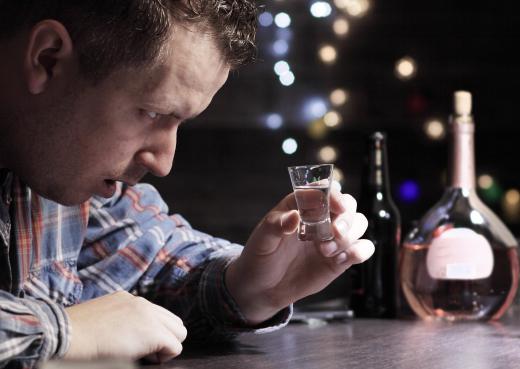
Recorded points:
(311, 185)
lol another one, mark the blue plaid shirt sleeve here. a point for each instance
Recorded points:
(31, 330)
(133, 244)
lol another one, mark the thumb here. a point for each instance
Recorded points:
(267, 235)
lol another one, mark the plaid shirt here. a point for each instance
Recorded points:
(53, 256)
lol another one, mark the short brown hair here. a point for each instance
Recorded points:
(109, 34)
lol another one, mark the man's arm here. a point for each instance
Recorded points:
(134, 245)
(31, 330)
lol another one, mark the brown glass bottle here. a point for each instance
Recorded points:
(375, 287)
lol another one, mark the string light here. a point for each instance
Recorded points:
(337, 175)
(280, 47)
(320, 9)
(317, 129)
(274, 121)
(332, 119)
(281, 67)
(289, 146)
(405, 68)
(287, 78)
(434, 129)
(265, 19)
(314, 108)
(409, 191)
(485, 181)
(340, 27)
(339, 97)
(327, 154)
(282, 20)
(354, 8)
(328, 54)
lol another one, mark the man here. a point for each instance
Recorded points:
(93, 93)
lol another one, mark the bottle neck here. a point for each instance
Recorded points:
(378, 177)
(463, 153)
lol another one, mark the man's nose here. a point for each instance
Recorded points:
(157, 158)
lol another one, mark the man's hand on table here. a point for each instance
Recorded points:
(125, 326)
(276, 269)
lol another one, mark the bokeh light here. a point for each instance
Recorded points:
(332, 119)
(328, 54)
(339, 96)
(282, 20)
(327, 154)
(265, 19)
(321, 9)
(274, 121)
(485, 181)
(434, 129)
(281, 67)
(405, 68)
(341, 27)
(289, 146)
(409, 191)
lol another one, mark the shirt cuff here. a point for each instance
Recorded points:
(220, 308)
(55, 324)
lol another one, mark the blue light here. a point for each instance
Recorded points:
(314, 108)
(409, 191)
(265, 19)
(280, 47)
(274, 121)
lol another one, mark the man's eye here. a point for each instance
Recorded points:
(152, 114)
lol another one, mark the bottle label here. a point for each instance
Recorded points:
(459, 253)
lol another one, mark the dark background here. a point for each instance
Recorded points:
(230, 169)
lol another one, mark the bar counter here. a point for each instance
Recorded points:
(367, 344)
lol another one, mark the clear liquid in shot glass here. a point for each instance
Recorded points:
(313, 206)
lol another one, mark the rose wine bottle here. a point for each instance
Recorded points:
(460, 262)
(375, 284)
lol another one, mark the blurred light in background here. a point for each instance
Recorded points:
(337, 175)
(274, 121)
(511, 205)
(340, 27)
(434, 129)
(265, 19)
(287, 78)
(332, 119)
(289, 146)
(280, 47)
(281, 67)
(338, 97)
(485, 181)
(405, 68)
(490, 190)
(321, 9)
(409, 191)
(282, 20)
(314, 108)
(317, 129)
(354, 8)
(328, 54)
(327, 154)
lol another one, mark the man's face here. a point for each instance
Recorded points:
(81, 139)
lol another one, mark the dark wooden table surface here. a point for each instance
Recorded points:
(366, 343)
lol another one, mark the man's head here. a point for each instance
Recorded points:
(97, 89)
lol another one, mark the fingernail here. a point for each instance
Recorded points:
(342, 227)
(329, 248)
(341, 258)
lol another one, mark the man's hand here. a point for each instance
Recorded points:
(125, 326)
(276, 269)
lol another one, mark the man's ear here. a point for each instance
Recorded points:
(49, 49)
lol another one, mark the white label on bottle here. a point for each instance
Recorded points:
(459, 253)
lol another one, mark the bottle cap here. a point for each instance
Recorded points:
(462, 102)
